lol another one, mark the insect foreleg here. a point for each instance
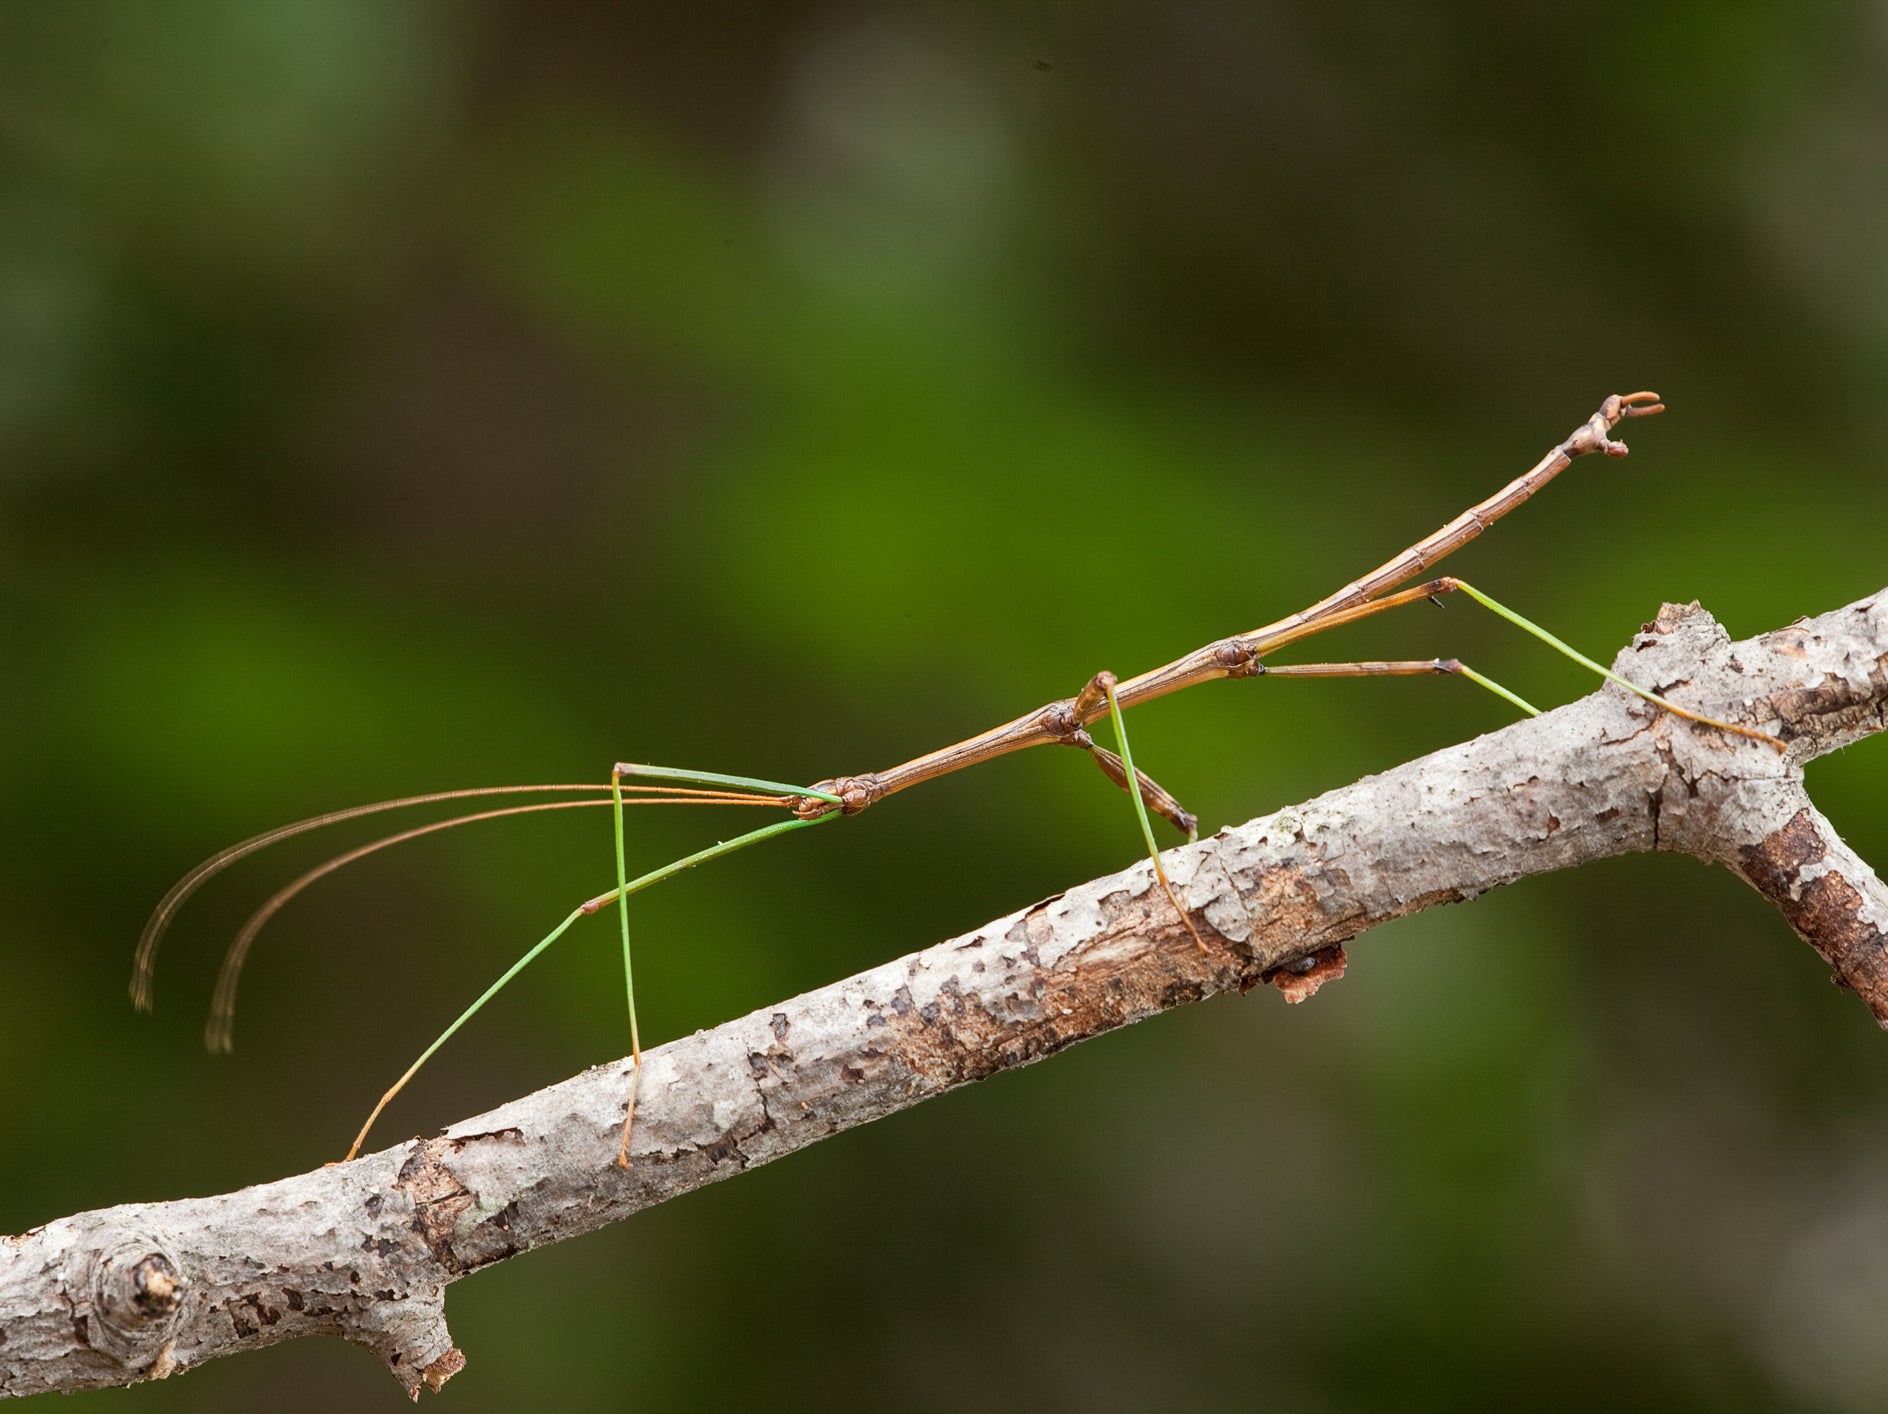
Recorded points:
(1544, 636)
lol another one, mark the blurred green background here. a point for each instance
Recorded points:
(398, 396)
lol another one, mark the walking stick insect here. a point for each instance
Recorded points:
(1064, 722)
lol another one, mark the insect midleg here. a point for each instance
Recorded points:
(464, 1017)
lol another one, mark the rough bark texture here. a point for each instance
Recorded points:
(365, 1250)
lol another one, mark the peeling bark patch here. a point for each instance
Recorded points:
(1132, 960)
(1670, 617)
(444, 1368)
(511, 1133)
(1827, 911)
(1179, 992)
(1299, 980)
(1288, 902)
(438, 1197)
(1435, 898)
(1829, 706)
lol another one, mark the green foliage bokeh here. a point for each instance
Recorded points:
(400, 396)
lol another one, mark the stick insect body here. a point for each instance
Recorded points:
(1064, 722)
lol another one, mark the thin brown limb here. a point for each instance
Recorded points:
(1156, 796)
(1774, 742)
(629, 1111)
(1368, 668)
(1186, 917)
(1239, 656)
(1269, 640)
(1062, 722)
(354, 1149)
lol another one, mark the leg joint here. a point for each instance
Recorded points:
(855, 794)
(1236, 659)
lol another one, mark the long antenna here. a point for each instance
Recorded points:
(218, 1032)
(145, 964)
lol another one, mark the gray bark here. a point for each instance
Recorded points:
(365, 1250)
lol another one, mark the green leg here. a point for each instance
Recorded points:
(1545, 637)
(464, 1017)
(1140, 809)
(1497, 689)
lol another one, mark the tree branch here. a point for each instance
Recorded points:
(365, 1250)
